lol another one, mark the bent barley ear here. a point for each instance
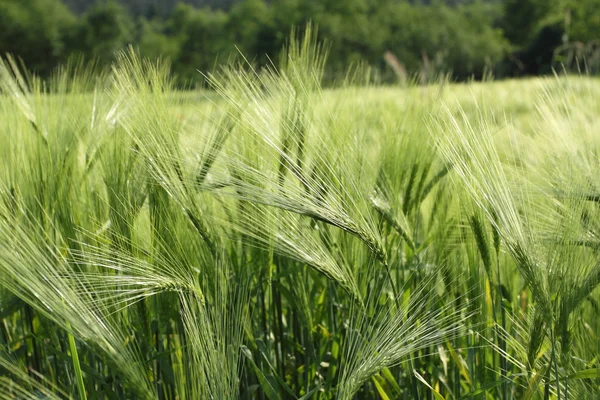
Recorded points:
(300, 170)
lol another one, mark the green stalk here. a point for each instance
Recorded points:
(555, 362)
(278, 321)
(35, 350)
(76, 365)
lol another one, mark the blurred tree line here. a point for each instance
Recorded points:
(465, 37)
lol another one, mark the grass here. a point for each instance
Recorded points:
(280, 240)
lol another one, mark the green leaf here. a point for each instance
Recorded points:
(423, 381)
(380, 389)
(458, 360)
(307, 395)
(485, 388)
(267, 385)
(391, 380)
(592, 373)
(263, 352)
(534, 384)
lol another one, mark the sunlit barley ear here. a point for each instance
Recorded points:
(15, 84)
(204, 284)
(386, 335)
(527, 348)
(143, 90)
(296, 237)
(470, 149)
(39, 275)
(541, 231)
(301, 169)
(120, 280)
(216, 343)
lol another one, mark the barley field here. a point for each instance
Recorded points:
(274, 239)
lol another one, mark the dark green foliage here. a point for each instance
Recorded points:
(467, 38)
(38, 31)
(106, 29)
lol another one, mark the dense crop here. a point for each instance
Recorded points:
(277, 240)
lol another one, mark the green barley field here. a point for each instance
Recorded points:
(270, 238)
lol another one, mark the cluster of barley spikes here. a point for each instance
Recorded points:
(277, 240)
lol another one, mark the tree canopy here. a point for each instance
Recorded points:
(466, 38)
